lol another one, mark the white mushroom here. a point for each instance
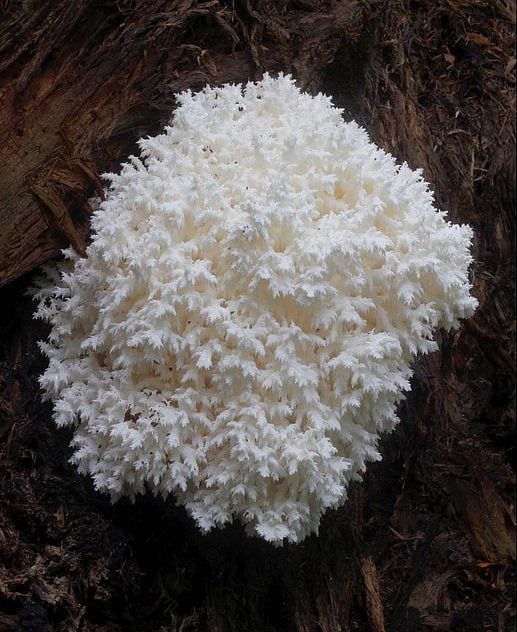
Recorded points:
(242, 327)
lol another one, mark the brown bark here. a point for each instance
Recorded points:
(426, 542)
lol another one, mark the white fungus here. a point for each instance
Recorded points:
(242, 327)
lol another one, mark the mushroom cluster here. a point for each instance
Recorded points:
(243, 325)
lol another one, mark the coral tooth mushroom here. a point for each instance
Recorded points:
(243, 325)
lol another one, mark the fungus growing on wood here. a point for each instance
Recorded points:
(243, 325)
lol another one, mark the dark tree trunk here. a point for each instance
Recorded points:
(426, 542)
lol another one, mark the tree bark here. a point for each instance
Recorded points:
(426, 541)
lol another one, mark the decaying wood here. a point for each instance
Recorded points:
(426, 541)
(374, 608)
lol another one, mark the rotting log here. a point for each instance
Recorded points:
(426, 542)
